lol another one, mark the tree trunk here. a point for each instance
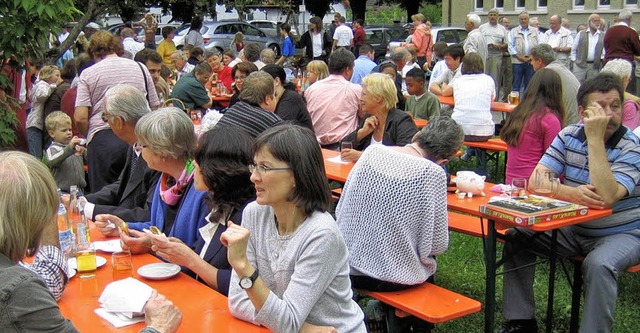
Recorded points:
(358, 9)
(412, 6)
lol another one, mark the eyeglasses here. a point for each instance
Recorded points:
(105, 117)
(138, 147)
(263, 169)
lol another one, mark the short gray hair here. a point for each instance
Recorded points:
(619, 67)
(180, 55)
(256, 87)
(401, 54)
(625, 14)
(494, 11)
(167, 131)
(28, 204)
(474, 19)
(127, 102)
(543, 52)
(441, 138)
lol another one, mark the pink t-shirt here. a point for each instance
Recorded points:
(630, 115)
(539, 132)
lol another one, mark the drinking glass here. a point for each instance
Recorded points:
(519, 187)
(514, 98)
(122, 265)
(346, 145)
(86, 260)
(546, 183)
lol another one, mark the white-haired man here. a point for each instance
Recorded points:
(475, 41)
(587, 50)
(559, 38)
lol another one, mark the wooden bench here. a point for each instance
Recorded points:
(428, 302)
(469, 225)
(493, 147)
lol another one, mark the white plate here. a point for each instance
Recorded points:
(71, 273)
(159, 271)
(100, 261)
(108, 246)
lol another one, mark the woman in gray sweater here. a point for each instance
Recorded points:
(290, 261)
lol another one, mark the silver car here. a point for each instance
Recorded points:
(219, 35)
(449, 35)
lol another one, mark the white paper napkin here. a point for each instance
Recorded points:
(117, 320)
(125, 296)
(337, 159)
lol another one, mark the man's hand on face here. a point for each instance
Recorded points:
(595, 121)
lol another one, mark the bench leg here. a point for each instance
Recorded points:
(576, 297)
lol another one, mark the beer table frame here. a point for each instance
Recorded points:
(495, 106)
(471, 206)
(203, 309)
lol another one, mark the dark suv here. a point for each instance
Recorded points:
(380, 36)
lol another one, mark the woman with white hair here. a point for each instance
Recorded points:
(28, 207)
(622, 68)
(167, 142)
(385, 124)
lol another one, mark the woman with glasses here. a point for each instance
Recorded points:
(288, 257)
(221, 169)
(384, 125)
(239, 73)
(166, 141)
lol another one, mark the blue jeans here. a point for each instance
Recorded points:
(522, 74)
(34, 135)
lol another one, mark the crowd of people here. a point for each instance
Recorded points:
(246, 205)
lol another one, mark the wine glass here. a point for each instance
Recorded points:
(519, 187)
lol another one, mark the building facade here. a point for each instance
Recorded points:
(454, 12)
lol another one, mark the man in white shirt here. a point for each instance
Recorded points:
(587, 51)
(496, 37)
(129, 42)
(343, 37)
(560, 40)
(475, 41)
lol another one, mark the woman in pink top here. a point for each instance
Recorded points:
(533, 124)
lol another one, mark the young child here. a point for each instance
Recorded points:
(440, 66)
(421, 103)
(411, 64)
(48, 80)
(65, 156)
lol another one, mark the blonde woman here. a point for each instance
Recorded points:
(237, 44)
(385, 125)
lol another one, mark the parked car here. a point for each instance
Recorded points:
(137, 28)
(271, 27)
(159, 30)
(449, 35)
(380, 36)
(219, 35)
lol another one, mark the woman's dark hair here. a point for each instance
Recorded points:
(224, 155)
(277, 71)
(298, 147)
(196, 23)
(68, 71)
(472, 64)
(544, 91)
(317, 22)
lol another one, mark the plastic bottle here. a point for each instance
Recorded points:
(77, 217)
(64, 229)
(221, 88)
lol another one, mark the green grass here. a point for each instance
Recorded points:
(462, 270)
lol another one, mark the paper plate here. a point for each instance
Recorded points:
(159, 271)
(109, 246)
(100, 261)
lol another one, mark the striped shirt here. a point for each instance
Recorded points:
(250, 118)
(568, 155)
(97, 79)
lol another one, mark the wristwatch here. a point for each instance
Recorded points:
(247, 281)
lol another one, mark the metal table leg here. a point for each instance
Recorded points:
(490, 286)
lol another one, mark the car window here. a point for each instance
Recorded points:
(396, 34)
(223, 29)
(447, 36)
(462, 35)
(251, 31)
(182, 31)
(373, 36)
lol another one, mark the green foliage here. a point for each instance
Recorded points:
(386, 14)
(27, 25)
(433, 13)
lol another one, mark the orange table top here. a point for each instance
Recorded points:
(220, 98)
(335, 171)
(420, 123)
(472, 206)
(491, 144)
(203, 309)
(495, 106)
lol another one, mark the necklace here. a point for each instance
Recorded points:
(415, 149)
